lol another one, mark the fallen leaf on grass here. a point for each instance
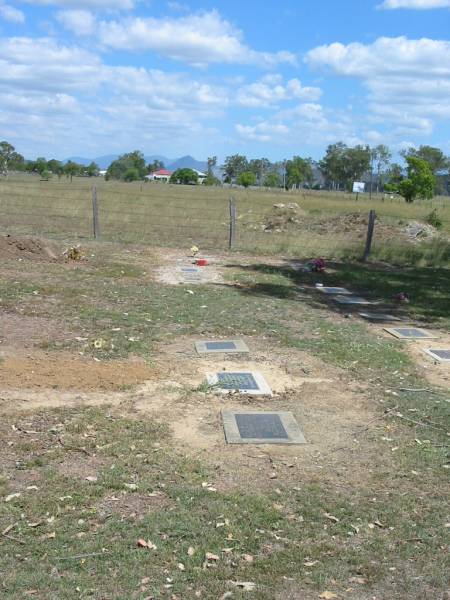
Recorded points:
(49, 536)
(327, 595)
(34, 524)
(360, 580)
(248, 558)
(331, 517)
(191, 551)
(12, 496)
(144, 544)
(210, 556)
(311, 564)
(91, 478)
(181, 567)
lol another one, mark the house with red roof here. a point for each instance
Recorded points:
(160, 175)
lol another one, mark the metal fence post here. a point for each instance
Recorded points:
(370, 229)
(95, 213)
(233, 211)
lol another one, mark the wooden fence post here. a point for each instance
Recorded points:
(233, 213)
(95, 213)
(370, 229)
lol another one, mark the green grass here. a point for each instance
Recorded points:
(180, 216)
(388, 536)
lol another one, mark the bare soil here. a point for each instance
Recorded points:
(29, 248)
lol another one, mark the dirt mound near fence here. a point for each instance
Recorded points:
(28, 248)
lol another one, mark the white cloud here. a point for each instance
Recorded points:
(408, 80)
(414, 4)
(195, 39)
(11, 14)
(79, 22)
(308, 122)
(271, 89)
(88, 4)
(60, 99)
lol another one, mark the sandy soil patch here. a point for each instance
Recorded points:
(63, 371)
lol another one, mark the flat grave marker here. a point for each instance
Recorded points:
(332, 290)
(257, 427)
(381, 317)
(219, 346)
(439, 354)
(410, 333)
(351, 300)
(251, 383)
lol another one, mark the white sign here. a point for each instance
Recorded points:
(358, 187)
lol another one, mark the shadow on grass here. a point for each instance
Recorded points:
(428, 288)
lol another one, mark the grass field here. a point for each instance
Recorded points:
(109, 435)
(179, 216)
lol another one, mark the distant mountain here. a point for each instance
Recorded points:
(170, 163)
(187, 162)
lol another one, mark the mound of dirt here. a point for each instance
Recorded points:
(28, 248)
(283, 217)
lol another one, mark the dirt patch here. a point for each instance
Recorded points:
(29, 248)
(80, 467)
(171, 261)
(132, 505)
(59, 371)
(23, 332)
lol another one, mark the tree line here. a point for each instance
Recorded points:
(425, 171)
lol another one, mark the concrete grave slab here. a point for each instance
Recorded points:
(251, 383)
(221, 346)
(256, 427)
(439, 354)
(380, 317)
(332, 290)
(351, 300)
(410, 333)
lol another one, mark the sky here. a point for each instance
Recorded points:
(266, 79)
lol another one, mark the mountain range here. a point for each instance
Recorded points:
(172, 164)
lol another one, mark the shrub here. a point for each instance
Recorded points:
(434, 219)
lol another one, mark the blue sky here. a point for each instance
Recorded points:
(272, 79)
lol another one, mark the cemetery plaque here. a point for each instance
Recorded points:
(409, 333)
(382, 317)
(253, 427)
(439, 354)
(332, 290)
(218, 346)
(351, 300)
(244, 382)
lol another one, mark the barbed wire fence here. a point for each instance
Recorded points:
(112, 215)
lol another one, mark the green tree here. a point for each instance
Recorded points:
(46, 175)
(131, 174)
(420, 182)
(435, 158)
(8, 157)
(381, 157)
(40, 165)
(53, 165)
(259, 166)
(272, 180)
(71, 168)
(156, 165)
(332, 165)
(210, 179)
(184, 176)
(234, 166)
(247, 178)
(119, 167)
(212, 162)
(356, 163)
(298, 172)
(93, 169)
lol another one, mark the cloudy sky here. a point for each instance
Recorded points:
(272, 78)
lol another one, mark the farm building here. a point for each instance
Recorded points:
(160, 175)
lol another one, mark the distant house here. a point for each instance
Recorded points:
(160, 175)
(201, 176)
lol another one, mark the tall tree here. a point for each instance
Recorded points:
(435, 158)
(234, 166)
(299, 171)
(212, 162)
(259, 166)
(131, 160)
(9, 157)
(381, 156)
(71, 168)
(332, 165)
(93, 169)
(156, 165)
(420, 182)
